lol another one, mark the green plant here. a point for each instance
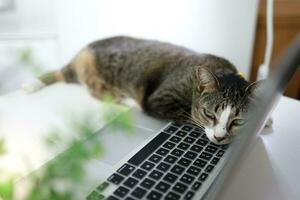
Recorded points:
(68, 168)
(26, 58)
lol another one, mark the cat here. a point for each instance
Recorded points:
(168, 82)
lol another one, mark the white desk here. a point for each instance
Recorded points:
(270, 171)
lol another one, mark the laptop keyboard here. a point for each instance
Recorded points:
(173, 165)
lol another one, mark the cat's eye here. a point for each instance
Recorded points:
(237, 122)
(208, 114)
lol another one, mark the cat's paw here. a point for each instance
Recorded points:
(33, 85)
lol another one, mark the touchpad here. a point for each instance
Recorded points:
(117, 143)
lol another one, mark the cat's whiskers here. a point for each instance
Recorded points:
(190, 118)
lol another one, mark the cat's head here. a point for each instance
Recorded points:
(220, 104)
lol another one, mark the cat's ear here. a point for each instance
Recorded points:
(253, 89)
(205, 79)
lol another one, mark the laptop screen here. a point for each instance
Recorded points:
(265, 101)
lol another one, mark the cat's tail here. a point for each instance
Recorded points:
(66, 74)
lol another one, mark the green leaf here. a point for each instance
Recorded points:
(53, 138)
(7, 189)
(97, 149)
(27, 59)
(26, 55)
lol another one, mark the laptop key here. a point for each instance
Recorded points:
(199, 163)
(95, 196)
(196, 185)
(187, 179)
(129, 198)
(209, 168)
(154, 195)
(162, 151)
(190, 155)
(162, 186)
(216, 145)
(187, 128)
(138, 193)
(204, 137)
(170, 159)
(181, 133)
(163, 166)
(215, 160)
(130, 182)
(180, 188)
(102, 186)
(211, 149)
(139, 174)
(189, 140)
(126, 169)
(171, 129)
(189, 195)
(156, 174)
(195, 134)
(169, 145)
(183, 146)
(177, 169)
(184, 162)
(172, 196)
(147, 150)
(194, 170)
(202, 177)
(121, 192)
(147, 183)
(147, 166)
(175, 139)
(197, 129)
(205, 156)
(202, 142)
(155, 158)
(112, 198)
(220, 153)
(115, 178)
(171, 178)
(177, 152)
(196, 148)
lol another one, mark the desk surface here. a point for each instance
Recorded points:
(270, 171)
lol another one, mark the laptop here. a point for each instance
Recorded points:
(167, 160)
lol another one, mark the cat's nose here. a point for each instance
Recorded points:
(219, 139)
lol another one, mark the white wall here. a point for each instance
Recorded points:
(76, 25)
(28, 16)
(224, 28)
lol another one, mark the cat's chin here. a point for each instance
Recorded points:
(210, 135)
(226, 141)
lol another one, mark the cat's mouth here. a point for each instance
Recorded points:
(211, 136)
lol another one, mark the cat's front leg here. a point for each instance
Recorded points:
(165, 106)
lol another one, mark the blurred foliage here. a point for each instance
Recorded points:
(2, 147)
(6, 185)
(68, 168)
(112, 109)
(7, 189)
(26, 58)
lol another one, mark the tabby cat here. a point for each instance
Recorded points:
(168, 81)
